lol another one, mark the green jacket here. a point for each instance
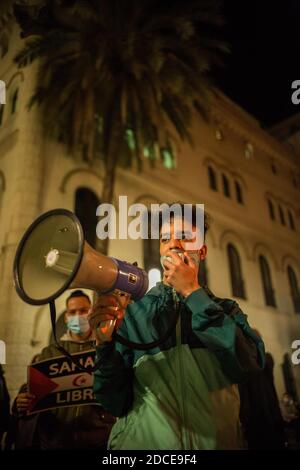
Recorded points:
(183, 394)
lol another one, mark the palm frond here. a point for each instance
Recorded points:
(125, 63)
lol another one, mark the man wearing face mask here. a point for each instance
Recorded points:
(182, 394)
(85, 426)
(76, 318)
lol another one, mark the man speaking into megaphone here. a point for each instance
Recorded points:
(181, 393)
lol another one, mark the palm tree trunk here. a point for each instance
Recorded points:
(110, 175)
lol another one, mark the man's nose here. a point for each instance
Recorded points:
(175, 243)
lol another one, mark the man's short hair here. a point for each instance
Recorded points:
(77, 293)
(194, 214)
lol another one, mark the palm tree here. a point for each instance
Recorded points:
(120, 76)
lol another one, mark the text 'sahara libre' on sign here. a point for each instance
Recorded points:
(59, 382)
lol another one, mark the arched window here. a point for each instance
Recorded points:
(271, 209)
(267, 282)
(239, 192)
(212, 179)
(281, 215)
(291, 221)
(86, 203)
(226, 187)
(13, 101)
(151, 249)
(294, 289)
(237, 282)
(168, 158)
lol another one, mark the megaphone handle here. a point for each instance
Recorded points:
(105, 330)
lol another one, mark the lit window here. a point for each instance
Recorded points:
(249, 150)
(219, 134)
(130, 139)
(168, 158)
(151, 152)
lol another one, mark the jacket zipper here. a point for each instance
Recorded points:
(185, 439)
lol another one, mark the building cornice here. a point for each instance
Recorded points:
(231, 116)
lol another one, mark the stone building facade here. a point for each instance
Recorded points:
(248, 179)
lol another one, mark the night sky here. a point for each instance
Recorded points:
(264, 37)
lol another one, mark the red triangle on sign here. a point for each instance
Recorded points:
(40, 385)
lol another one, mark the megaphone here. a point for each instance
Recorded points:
(53, 256)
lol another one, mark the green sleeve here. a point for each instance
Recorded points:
(113, 380)
(238, 349)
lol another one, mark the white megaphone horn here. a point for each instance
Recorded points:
(53, 256)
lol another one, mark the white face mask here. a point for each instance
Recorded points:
(78, 324)
(194, 256)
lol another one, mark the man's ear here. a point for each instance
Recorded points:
(203, 252)
(66, 317)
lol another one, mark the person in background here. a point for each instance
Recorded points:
(260, 412)
(290, 412)
(288, 407)
(80, 427)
